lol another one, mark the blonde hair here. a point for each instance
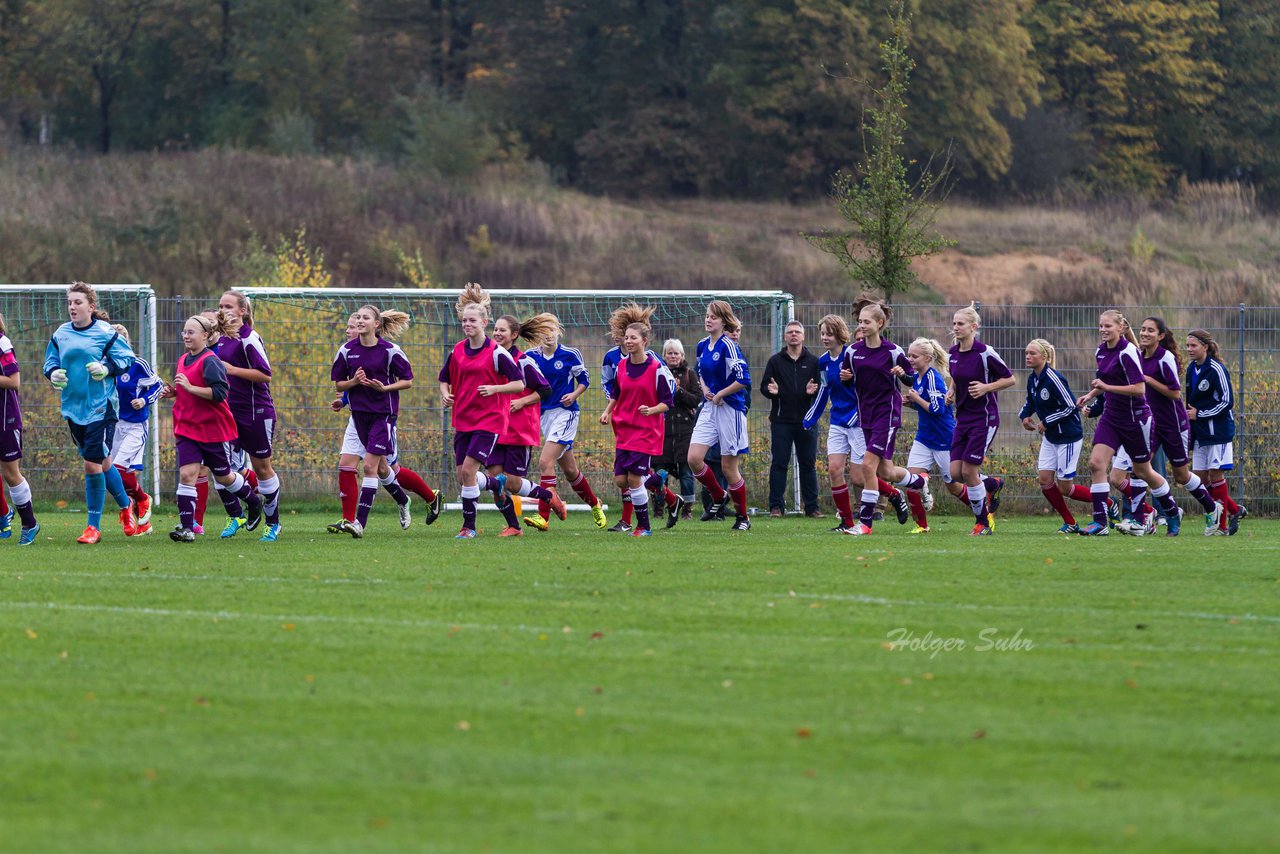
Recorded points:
(536, 329)
(2, 328)
(229, 323)
(118, 327)
(937, 354)
(627, 314)
(1126, 331)
(674, 344)
(391, 323)
(243, 302)
(879, 310)
(724, 311)
(836, 327)
(473, 296)
(970, 313)
(1046, 349)
(642, 328)
(215, 324)
(91, 296)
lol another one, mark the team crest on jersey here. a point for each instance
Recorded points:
(1204, 385)
(715, 357)
(559, 365)
(125, 377)
(1044, 394)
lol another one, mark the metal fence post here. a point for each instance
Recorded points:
(1241, 386)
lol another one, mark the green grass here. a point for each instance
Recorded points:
(583, 691)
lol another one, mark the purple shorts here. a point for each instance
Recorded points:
(1134, 438)
(377, 432)
(1174, 443)
(254, 437)
(477, 444)
(514, 459)
(10, 446)
(631, 462)
(969, 443)
(216, 456)
(880, 441)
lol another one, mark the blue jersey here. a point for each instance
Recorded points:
(86, 400)
(1208, 391)
(720, 365)
(844, 403)
(564, 370)
(1049, 397)
(609, 369)
(935, 423)
(138, 381)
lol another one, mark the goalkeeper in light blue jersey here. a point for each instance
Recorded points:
(82, 360)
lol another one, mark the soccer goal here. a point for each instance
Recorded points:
(302, 330)
(32, 313)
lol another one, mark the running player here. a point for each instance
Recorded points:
(136, 389)
(642, 391)
(1209, 403)
(935, 425)
(11, 448)
(726, 381)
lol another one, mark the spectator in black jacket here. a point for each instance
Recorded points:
(679, 428)
(790, 382)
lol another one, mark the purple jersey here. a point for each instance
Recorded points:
(249, 401)
(10, 411)
(879, 400)
(1170, 413)
(980, 364)
(534, 380)
(383, 361)
(1122, 365)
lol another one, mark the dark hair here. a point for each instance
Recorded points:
(1167, 340)
(1207, 340)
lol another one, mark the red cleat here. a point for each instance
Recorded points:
(557, 506)
(511, 532)
(90, 536)
(127, 521)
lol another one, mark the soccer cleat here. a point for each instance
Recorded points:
(143, 513)
(511, 532)
(197, 529)
(1215, 532)
(406, 517)
(920, 529)
(1149, 524)
(272, 533)
(597, 516)
(1069, 528)
(28, 535)
(1093, 529)
(557, 506)
(741, 523)
(1173, 524)
(673, 512)
(621, 528)
(715, 510)
(355, 529)
(845, 529)
(858, 530)
(1233, 520)
(1212, 519)
(233, 527)
(6, 524)
(127, 522)
(1113, 512)
(980, 529)
(900, 507)
(254, 517)
(993, 497)
(337, 527)
(90, 536)
(434, 508)
(642, 532)
(465, 534)
(182, 535)
(1127, 525)
(143, 529)
(536, 522)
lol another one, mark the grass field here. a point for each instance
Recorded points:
(698, 690)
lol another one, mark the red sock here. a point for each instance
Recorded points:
(544, 509)
(130, 480)
(1059, 502)
(348, 492)
(886, 488)
(251, 479)
(202, 498)
(1080, 492)
(4, 505)
(627, 509)
(670, 497)
(707, 478)
(739, 493)
(840, 496)
(1221, 492)
(410, 480)
(583, 487)
(917, 508)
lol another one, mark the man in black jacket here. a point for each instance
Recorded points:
(790, 382)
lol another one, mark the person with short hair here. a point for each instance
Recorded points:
(790, 383)
(680, 418)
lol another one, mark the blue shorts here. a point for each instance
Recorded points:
(93, 441)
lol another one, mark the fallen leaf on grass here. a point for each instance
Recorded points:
(979, 733)
(464, 726)
(597, 635)
(1048, 561)
(288, 627)
(378, 822)
(579, 711)
(32, 634)
(202, 701)
(803, 732)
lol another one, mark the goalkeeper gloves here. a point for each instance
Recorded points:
(97, 371)
(59, 379)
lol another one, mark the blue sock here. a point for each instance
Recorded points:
(95, 493)
(115, 485)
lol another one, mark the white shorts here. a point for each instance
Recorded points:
(848, 441)
(1121, 460)
(724, 426)
(129, 448)
(352, 446)
(1203, 458)
(560, 425)
(1064, 460)
(924, 457)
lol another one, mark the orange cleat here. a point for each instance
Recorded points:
(557, 506)
(511, 532)
(90, 536)
(128, 522)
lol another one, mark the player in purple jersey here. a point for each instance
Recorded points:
(249, 375)
(11, 448)
(1126, 422)
(875, 367)
(373, 372)
(726, 384)
(977, 376)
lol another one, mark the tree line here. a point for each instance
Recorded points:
(737, 98)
